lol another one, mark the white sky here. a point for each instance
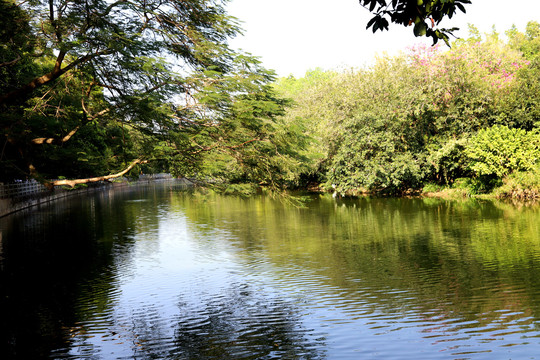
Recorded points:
(293, 36)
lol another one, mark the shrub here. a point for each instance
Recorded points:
(478, 185)
(432, 188)
(499, 151)
(449, 161)
(521, 185)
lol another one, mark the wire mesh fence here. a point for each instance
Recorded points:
(21, 190)
(25, 189)
(160, 176)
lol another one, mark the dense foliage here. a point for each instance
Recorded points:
(498, 151)
(430, 115)
(97, 87)
(94, 87)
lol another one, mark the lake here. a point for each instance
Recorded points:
(158, 272)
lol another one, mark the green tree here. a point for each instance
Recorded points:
(406, 120)
(522, 105)
(529, 42)
(425, 15)
(17, 42)
(113, 85)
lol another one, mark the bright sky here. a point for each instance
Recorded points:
(293, 36)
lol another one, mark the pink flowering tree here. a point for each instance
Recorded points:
(407, 120)
(468, 82)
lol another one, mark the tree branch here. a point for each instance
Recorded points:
(231, 147)
(12, 62)
(60, 141)
(57, 141)
(47, 78)
(74, 182)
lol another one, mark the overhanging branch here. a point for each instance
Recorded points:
(47, 78)
(74, 182)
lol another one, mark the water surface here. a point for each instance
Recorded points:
(154, 272)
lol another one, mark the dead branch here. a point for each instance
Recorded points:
(74, 182)
(57, 141)
(60, 141)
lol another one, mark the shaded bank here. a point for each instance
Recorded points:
(26, 194)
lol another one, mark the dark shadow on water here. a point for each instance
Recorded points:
(47, 255)
(60, 264)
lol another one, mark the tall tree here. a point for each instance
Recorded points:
(156, 74)
(407, 120)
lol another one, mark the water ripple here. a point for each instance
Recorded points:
(209, 278)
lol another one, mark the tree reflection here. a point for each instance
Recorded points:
(246, 324)
(235, 323)
(462, 257)
(48, 255)
(444, 266)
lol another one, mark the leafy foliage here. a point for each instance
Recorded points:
(499, 151)
(449, 161)
(424, 14)
(101, 84)
(412, 119)
(521, 185)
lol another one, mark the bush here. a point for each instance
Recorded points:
(478, 185)
(521, 185)
(371, 157)
(449, 161)
(432, 188)
(499, 151)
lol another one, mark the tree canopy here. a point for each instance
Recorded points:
(96, 87)
(92, 90)
(468, 114)
(423, 15)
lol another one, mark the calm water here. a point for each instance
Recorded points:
(157, 273)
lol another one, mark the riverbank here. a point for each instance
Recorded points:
(19, 196)
(27, 194)
(509, 190)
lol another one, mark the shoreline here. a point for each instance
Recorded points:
(18, 201)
